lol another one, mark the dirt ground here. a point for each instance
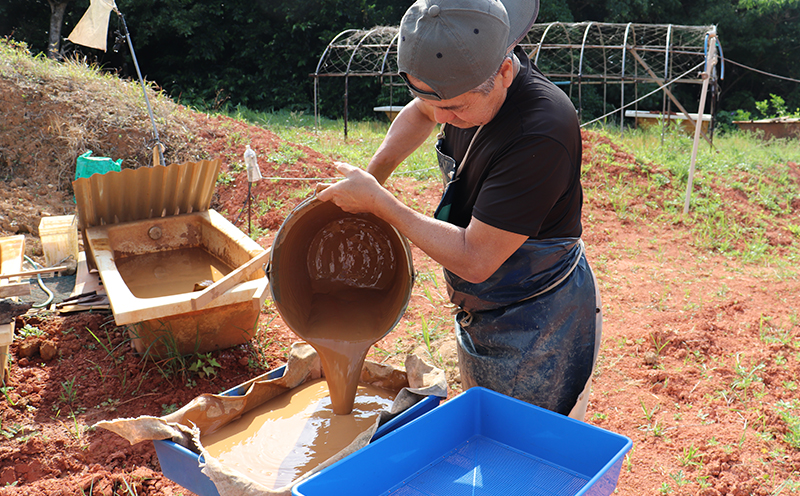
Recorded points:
(699, 361)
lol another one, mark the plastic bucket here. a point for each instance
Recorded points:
(321, 250)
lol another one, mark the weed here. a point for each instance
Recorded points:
(109, 403)
(28, 330)
(789, 415)
(108, 346)
(738, 162)
(10, 432)
(129, 488)
(744, 434)
(745, 378)
(69, 393)
(5, 390)
(205, 366)
(258, 232)
(792, 486)
(769, 334)
(260, 357)
(167, 409)
(169, 360)
(429, 276)
(268, 204)
(702, 481)
(76, 427)
(658, 429)
(659, 342)
(225, 178)
(648, 414)
(426, 334)
(691, 457)
(286, 154)
(678, 478)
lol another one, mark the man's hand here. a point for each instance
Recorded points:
(356, 193)
(474, 252)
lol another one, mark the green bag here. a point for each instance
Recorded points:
(87, 165)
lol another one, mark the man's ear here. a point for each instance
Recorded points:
(507, 71)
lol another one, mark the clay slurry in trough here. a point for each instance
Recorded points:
(165, 273)
(340, 282)
(293, 433)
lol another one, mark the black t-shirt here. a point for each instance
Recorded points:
(523, 172)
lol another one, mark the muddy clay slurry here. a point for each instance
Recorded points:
(341, 282)
(351, 265)
(171, 272)
(291, 434)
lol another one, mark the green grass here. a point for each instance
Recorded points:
(742, 194)
(755, 172)
(790, 414)
(327, 137)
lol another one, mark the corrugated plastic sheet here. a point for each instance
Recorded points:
(145, 193)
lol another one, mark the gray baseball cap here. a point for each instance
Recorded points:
(453, 46)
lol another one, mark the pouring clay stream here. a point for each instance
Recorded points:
(341, 282)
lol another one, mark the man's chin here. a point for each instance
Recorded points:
(462, 124)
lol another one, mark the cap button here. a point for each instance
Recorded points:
(433, 10)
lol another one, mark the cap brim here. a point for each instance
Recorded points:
(521, 15)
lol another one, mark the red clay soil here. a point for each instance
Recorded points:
(698, 366)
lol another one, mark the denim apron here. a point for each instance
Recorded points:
(531, 330)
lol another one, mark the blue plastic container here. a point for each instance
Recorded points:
(480, 443)
(182, 466)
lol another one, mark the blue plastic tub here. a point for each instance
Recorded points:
(480, 443)
(182, 466)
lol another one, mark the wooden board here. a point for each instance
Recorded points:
(12, 252)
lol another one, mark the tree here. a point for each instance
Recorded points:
(260, 53)
(57, 10)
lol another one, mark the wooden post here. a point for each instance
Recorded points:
(711, 60)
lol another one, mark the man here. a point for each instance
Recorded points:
(507, 230)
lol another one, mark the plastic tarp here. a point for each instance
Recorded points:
(208, 412)
(86, 165)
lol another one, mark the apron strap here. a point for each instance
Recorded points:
(466, 154)
(455, 174)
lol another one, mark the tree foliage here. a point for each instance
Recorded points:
(257, 54)
(260, 53)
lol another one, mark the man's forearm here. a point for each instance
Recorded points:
(473, 253)
(408, 132)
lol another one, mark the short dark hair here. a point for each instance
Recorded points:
(487, 86)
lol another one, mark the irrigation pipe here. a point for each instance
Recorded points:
(50, 295)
